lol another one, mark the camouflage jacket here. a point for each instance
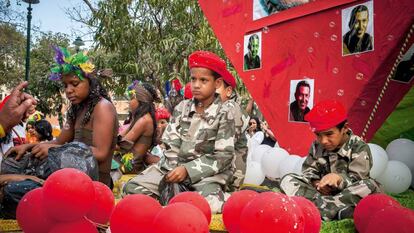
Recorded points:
(352, 161)
(203, 143)
(241, 121)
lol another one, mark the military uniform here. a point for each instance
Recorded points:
(203, 144)
(352, 162)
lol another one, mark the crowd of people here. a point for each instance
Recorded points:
(199, 141)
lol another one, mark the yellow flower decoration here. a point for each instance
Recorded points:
(87, 67)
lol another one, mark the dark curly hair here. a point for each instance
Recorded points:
(96, 93)
(147, 107)
(44, 129)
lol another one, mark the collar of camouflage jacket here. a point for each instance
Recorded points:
(210, 113)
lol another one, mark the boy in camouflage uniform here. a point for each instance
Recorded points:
(227, 92)
(336, 171)
(199, 138)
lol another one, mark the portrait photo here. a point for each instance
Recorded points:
(405, 69)
(300, 99)
(252, 51)
(263, 8)
(358, 29)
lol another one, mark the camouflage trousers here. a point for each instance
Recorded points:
(148, 181)
(240, 171)
(329, 206)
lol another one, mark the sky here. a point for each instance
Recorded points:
(49, 15)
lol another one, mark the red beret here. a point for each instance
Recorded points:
(325, 115)
(176, 84)
(213, 62)
(162, 113)
(187, 91)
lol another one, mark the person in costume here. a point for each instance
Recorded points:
(336, 171)
(199, 139)
(91, 117)
(141, 134)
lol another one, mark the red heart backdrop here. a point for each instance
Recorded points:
(306, 41)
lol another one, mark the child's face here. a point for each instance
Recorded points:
(332, 138)
(203, 83)
(133, 104)
(76, 90)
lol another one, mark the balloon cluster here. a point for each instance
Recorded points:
(379, 213)
(394, 166)
(69, 201)
(186, 212)
(272, 162)
(249, 212)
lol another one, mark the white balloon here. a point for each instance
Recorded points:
(254, 173)
(396, 177)
(258, 152)
(379, 160)
(271, 160)
(402, 150)
(298, 166)
(287, 165)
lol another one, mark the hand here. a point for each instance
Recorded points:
(326, 190)
(332, 180)
(41, 150)
(18, 150)
(17, 107)
(177, 175)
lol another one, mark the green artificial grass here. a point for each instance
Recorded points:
(406, 199)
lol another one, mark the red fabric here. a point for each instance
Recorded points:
(297, 44)
(187, 91)
(4, 102)
(176, 84)
(325, 115)
(162, 113)
(213, 62)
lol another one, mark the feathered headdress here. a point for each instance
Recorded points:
(66, 63)
(130, 91)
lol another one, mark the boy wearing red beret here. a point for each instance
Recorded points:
(199, 139)
(336, 171)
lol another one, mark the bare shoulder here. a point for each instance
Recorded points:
(104, 106)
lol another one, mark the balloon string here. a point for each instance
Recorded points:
(387, 81)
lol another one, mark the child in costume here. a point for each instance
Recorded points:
(199, 139)
(336, 171)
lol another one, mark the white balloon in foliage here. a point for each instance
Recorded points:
(402, 150)
(396, 178)
(288, 164)
(254, 173)
(271, 161)
(258, 152)
(379, 160)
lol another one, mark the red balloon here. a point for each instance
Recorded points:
(30, 213)
(233, 207)
(269, 212)
(368, 206)
(81, 226)
(391, 219)
(180, 218)
(68, 195)
(196, 200)
(133, 212)
(311, 213)
(103, 205)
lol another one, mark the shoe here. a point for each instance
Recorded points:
(347, 212)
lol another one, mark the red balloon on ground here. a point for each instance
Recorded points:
(368, 206)
(233, 207)
(180, 218)
(30, 213)
(311, 213)
(68, 195)
(391, 219)
(134, 212)
(196, 200)
(81, 226)
(269, 212)
(103, 205)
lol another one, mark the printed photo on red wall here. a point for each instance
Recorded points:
(405, 69)
(358, 29)
(263, 8)
(300, 99)
(252, 51)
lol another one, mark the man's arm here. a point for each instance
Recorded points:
(310, 169)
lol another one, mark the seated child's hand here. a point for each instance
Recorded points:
(177, 175)
(331, 180)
